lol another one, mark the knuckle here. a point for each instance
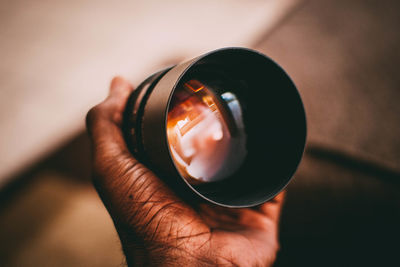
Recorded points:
(92, 115)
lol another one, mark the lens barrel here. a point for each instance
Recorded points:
(228, 127)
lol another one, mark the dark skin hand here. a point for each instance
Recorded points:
(155, 226)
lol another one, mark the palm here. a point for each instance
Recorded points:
(206, 233)
(249, 235)
(241, 237)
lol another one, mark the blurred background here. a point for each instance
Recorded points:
(58, 57)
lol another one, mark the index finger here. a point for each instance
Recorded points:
(104, 120)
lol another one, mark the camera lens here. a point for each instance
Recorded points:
(227, 127)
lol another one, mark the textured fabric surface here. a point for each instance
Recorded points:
(344, 56)
(343, 207)
(339, 215)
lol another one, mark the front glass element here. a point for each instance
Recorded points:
(205, 131)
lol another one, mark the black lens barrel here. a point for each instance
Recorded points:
(273, 116)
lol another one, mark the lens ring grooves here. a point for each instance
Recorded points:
(133, 114)
(274, 118)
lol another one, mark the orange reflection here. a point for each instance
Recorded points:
(197, 133)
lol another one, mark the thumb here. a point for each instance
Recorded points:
(131, 192)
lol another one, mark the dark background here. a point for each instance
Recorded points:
(343, 207)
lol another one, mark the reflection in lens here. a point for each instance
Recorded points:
(205, 133)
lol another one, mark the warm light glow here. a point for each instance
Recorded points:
(198, 134)
(194, 85)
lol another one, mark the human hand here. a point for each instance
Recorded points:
(155, 226)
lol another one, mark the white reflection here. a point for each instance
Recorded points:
(199, 138)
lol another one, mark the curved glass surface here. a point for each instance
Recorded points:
(205, 131)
